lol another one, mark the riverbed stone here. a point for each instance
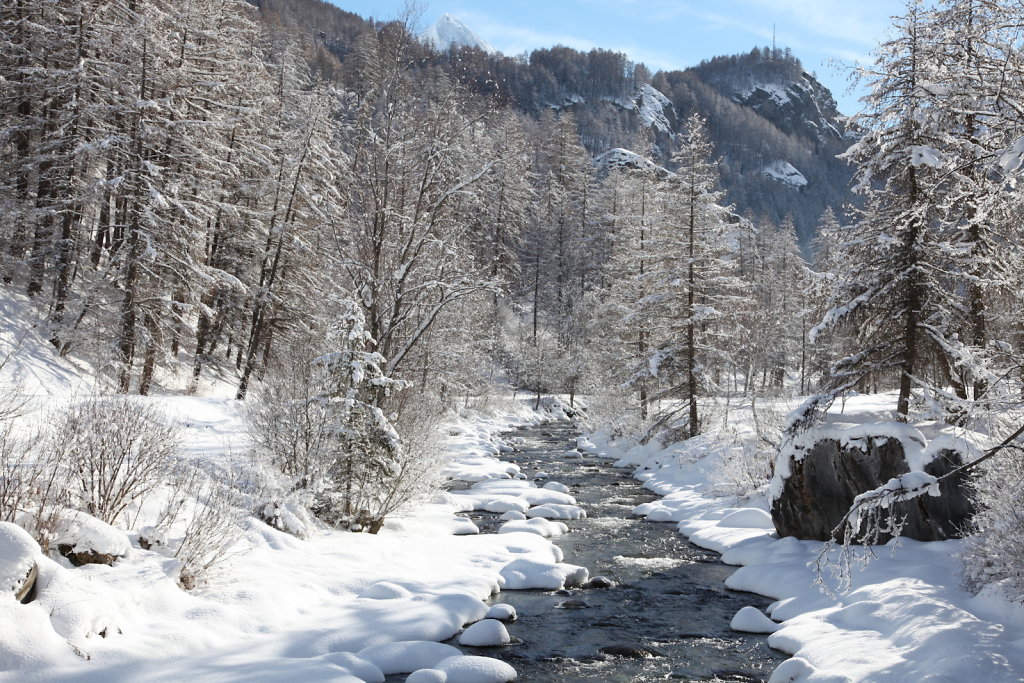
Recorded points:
(820, 490)
(600, 582)
(630, 651)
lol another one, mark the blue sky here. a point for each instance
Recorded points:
(674, 34)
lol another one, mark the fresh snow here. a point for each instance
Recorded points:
(485, 633)
(332, 606)
(906, 616)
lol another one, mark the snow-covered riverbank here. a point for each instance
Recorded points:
(905, 618)
(334, 606)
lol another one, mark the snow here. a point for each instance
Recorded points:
(776, 92)
(752, 620)
(923, 155)
(466, 669)
(449, 31)
(540, 526)
(906, 616)
(85, 533)
(327, 606)
(525, 573)
(18, 552)
(785, 172)
(619, 159)
(502, 612)
(555, 511)
(485, 633)
(407, 656)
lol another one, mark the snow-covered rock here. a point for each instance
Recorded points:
(618, 159)
(785, 172)
(512, 515)
(502, 612)
(83, 539)
(485, 633)
(556, 486)
(538, 525)
(752, 620)
(524, 574)
(554, 511)
(466, 669)
(18, 553)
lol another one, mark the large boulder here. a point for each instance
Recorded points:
(820, 480)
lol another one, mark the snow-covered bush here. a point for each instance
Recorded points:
(112, 451)
(744, 467)
(995, 552)
(198, 524)
(318, 419)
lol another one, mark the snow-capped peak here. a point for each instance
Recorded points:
(448, 32)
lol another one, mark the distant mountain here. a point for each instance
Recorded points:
(448, 32)
(775, 128)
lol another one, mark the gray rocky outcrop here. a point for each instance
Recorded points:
(822, 484)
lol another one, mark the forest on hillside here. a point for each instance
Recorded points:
(204, 191)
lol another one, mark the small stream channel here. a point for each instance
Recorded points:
(669, 612)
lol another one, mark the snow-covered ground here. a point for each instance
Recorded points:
(336, 606)
(332, 606)
(905, 616)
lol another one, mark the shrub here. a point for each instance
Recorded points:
(113, 451)
(995, 552)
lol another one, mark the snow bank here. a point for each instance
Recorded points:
(407, 656)
(906, 618)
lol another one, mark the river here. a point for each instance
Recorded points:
(667, 617)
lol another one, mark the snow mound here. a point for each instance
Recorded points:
(752, 620)
(524, 574)
(513, 515)
(448, 32)
(84, 533)
(553, 511)
(785, 172)
(405, 656)
(485, 633)
(427, 676)
(385, 590)
(502, 612)
(538, 525)
(466, 669)
(556, 486)
(792, 670)
(18, 552)
(747, 518)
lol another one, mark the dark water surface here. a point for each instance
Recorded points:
(670, 611)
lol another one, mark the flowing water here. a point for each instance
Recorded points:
(668, 616)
